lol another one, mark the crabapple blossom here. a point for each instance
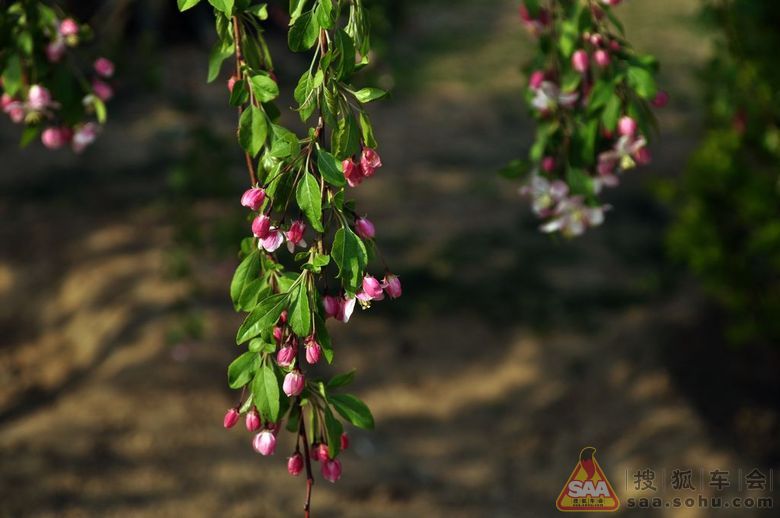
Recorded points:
(104, 67)
(285, 356)
(392, 285)
(231, 418)
(369, 161)
(293, 383)
(84, 136)
(319, 452)
(102, 90)
(252, 420)
(261, 226)
(352, 172)
(661, 99)
(331, 305)
(69, 27)
(331, 470)
(295, 464)
(627, 126)
(548, 164)
(313, 350)
(295, 235)
(344, 441)
(365, 228)
(54, 138)
(55, 50)
(264, 442)
(601, 57)
(580, 61)
(536, 79)
(271, 242)
(253, 198)
(372, 290)
(38, 98)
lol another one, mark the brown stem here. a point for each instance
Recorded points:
(307, 462)
(239, 59)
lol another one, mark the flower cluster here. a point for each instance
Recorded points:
(309, 256)
(592, 96)
(49, 108)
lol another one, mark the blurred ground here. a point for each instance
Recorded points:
(508, 353)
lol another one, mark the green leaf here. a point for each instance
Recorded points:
(309, 199)
(324, 13)
(260, 10)
(264, 88)
(265, 314)
(265, 393)
(349, 254)
(353, 410)
(300, 312)
(241, 370)
(600, 95)
(642, 81)
(252, 130)
(330, 168)
(334, 429)
(187, 4)
(345, 140)
(345, 55)
(366, 95)
(367, 130)
(514, 169)
(247, 271)
(225, 6)
(219, 53)
(568, 39)
(323, 338)
(12, 75)
(284, 142)
(341, 380)
(304, 32)
(611, 113)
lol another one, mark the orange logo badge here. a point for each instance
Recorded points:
(587, 488)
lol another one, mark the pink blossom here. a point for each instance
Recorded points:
(627, 126)
(54, 138)
(38, 98)
(352, 172)
(365, 228)
(313, 350)
(346, 307)
(295, 235)
(544, 194)
(392, 285)
(264, 443)
(295, 464)
(537, 77)
(369, 162)
(534, 25)
(614, 45)
(253, 198)
(319, 451)
(16, 114)
(623, 153)
(231, 83)
(331, 304)
(252, 420)
(104, 67)
(285, 356)
(293, 383)
(597, 40)
(372, 290)
(549, 95)
(548, 164)
(344, 441)
(572, 217)
(331, 470)
(277, 334)
(661, 99)
(261, 226)
(642, 156)
(102, 90)
(55, 50)
(601, 57)
(580, 61)
(84, 136)
(231, 418)
(272, 241)
(69, 27)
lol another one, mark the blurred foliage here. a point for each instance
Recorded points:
(727, 221)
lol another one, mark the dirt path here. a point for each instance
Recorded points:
(508, 353)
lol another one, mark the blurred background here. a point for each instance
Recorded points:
(653, 338)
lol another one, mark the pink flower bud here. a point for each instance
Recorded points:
(55, 50)
(331, 304)
(293, 383)
(627, 126)
(536, 80)
(601, 57)
(372, 289)
(346, 307)
(524, 14)
(642, 156)
(365, 228)
(261, 226)
(331, 470)
(84, 136)
(16, 114)
(283, 317)
(295, 234)
(231, 83)
(661, 99)
(6, 101)
(102, 89)
(277, 334)
(253, 198)
(392, 286)
(272, 241)
(352, 172)
(614, 45)
(597, 40)
(580, 61)
(252, 420)
(295, 464)
(548, 164)
(285, 356)
(264, 443)
(319, 451)
(69, 27)
(369, 161)
(104, 67)
(313, 350)
(53, 138)
(344, 441)
(38, 97)
(231, 418)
